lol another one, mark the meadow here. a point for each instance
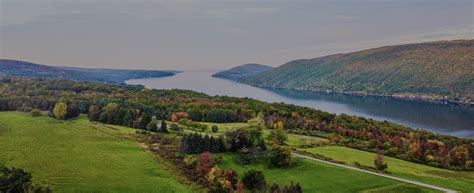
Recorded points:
(79, 156)
(319, 177)
(462, 181)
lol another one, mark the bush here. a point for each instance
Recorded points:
(175, 127)
(254, 180)
(18, 180)
(280, 156)
(248, 155)
(35, 112)
(152, 126)
(215, 129)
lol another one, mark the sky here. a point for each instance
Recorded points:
(211, 34)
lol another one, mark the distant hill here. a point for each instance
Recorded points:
(242, 71)
(442, 70)
(116, 76)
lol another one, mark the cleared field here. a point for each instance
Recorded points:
(319, 177)
(78, 156)
(462, 181)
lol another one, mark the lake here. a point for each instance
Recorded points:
(441, 118)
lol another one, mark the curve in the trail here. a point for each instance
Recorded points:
(378, 174)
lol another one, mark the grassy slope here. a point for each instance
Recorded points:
(463, 181)
(441, 68)
(319, 177)
(77, 156)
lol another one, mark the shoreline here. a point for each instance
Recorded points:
(400, 96)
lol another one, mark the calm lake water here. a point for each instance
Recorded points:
(447, 119)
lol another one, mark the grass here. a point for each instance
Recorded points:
(79, 156)
(462, 181)
(319, 177)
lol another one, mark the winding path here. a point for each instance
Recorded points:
(378, 174)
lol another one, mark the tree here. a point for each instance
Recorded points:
(60, 110)
(256, 122)
(94, 113)
(280, 156)
(254, 180)
(14, 180)
(35, 112)
(72, 111)
(152, 126)
(163, 128)
(278, 136)
(111, 111)
(378, 162)
(214, 128)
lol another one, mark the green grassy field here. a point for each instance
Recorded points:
(79, 156)
(462, 181)
(319, 177)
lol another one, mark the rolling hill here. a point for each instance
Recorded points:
(238, 72)
(442, 70)
(116, 76)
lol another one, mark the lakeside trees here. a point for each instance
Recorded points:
(134, 106)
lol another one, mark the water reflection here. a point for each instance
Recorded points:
(447, 119)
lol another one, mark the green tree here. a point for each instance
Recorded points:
(256, 122)
(94, 113)
(215, 129)
(280, 156)
(111, 110)
(254, 180)
(164, 127)
(278, 136)
(152, 126)
(60, 110)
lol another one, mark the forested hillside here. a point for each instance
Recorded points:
(242, 71)
(441, 70)
(116, 76)
(135, 107)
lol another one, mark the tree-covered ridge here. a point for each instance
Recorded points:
(135, 107)
(434, 71)
(242, 71)
(116, 76)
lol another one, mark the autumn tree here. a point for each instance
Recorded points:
(60, 110)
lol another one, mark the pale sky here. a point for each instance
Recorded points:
(211, 34)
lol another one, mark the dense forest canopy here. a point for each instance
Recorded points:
(136, 106)
(441, 70)
(116, 76)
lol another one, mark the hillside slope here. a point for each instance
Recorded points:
(81, 156)
(238, 72)
(117, 76)
(430, 71)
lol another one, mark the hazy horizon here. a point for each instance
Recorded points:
(213, 35)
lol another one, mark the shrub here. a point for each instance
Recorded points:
(248, 155)
(152, 126)
(280, 156)
(215, 129)
(35, 112)
(254, 180)
(175, 127)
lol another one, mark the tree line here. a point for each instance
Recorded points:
(136, 107)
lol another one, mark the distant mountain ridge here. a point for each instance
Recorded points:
(115, 76)
(442, 70)
(241, 71)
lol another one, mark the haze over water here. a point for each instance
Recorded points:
(447, 119)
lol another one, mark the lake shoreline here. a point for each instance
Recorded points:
(401, 96)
